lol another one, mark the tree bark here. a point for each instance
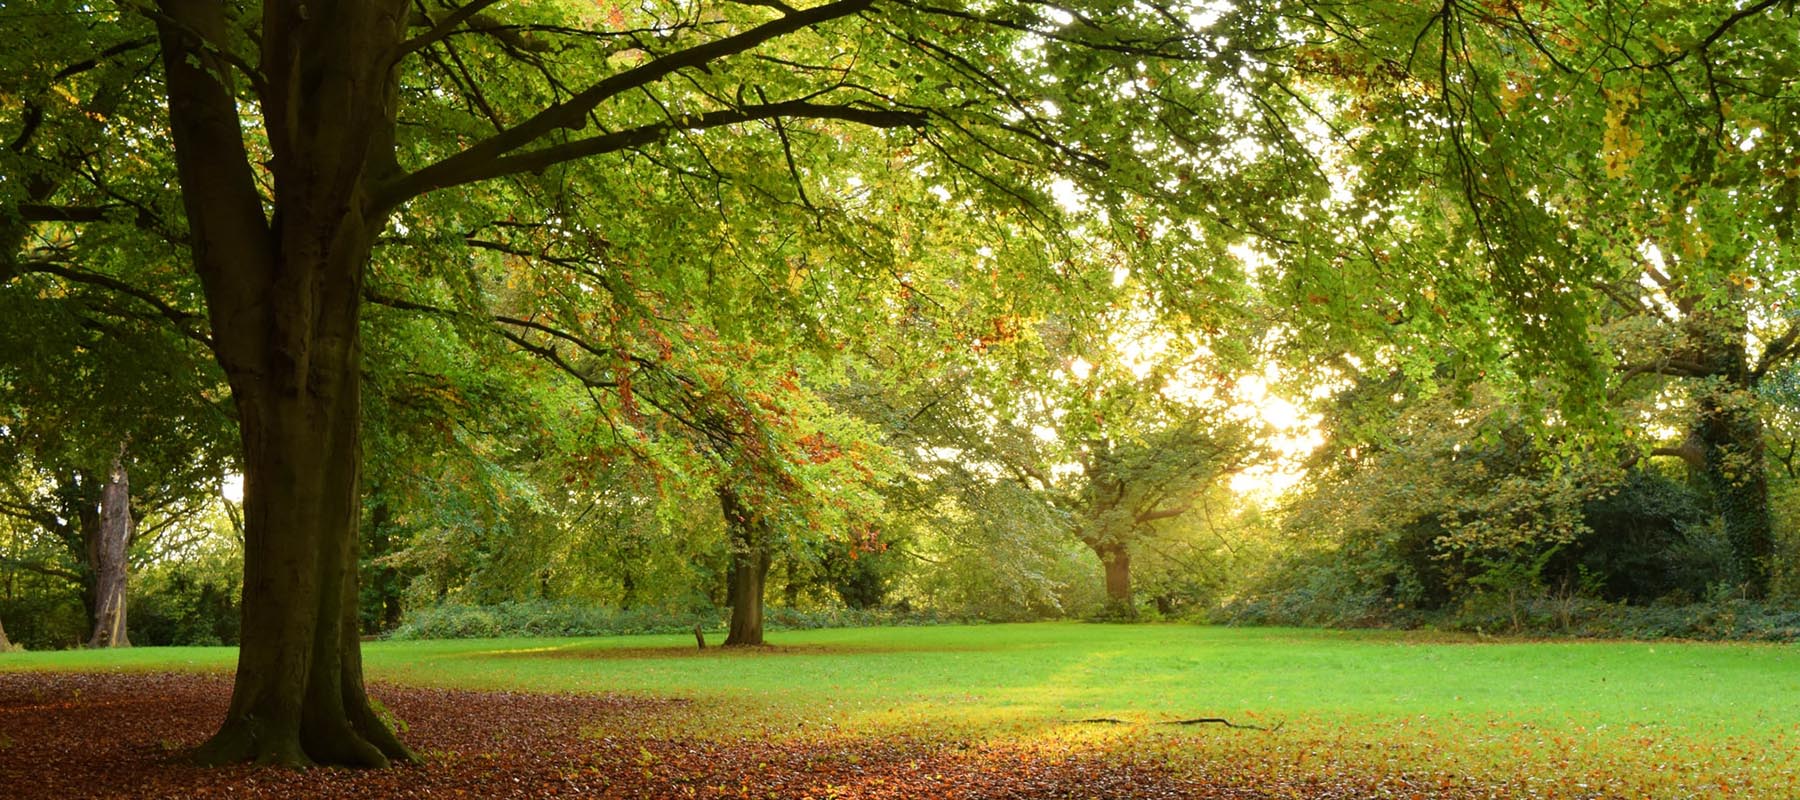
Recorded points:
(5, 644)
(1736, 471)
(87, 528)
(1117, 560)
(108, 557)
(299, 697)
(1729, 431)
(749, 569)
(284, 295)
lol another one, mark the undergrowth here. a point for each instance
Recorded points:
(565, 618)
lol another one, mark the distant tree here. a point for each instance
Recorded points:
(1608, 189)
(108, 556)
(1119, 424)
(92, 390)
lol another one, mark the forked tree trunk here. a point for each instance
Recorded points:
(749, 569)
(284, 296)
(107, 557)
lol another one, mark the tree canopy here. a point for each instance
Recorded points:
(489, 285)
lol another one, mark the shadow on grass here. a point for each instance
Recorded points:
(605, 653)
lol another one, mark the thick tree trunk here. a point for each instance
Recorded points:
(747, 599)
(1117, 560)
(283, 275)
(749, 569)
(299, 696)
(1730, 433)
(1728, 428)
(5, 644)
(108, 557)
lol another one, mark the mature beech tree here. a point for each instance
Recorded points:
(306, 136)
(300, 129)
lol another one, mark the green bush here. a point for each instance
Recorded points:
(570, 618)
(45, 620)
(176, 609)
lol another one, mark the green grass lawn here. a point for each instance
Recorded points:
(1627, 714)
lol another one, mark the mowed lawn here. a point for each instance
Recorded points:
(1632, 718)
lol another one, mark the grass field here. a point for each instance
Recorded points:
(1627, 718)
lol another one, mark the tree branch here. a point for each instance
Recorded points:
(440, 30)
(476, 162)
(427, 180)
(1777, 351)
(230, 236)
(1671, 367)
(1162, 513)
(1718, 32)
(190, 325)
(41, 569)
(1689, 451)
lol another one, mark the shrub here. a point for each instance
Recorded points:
(178, 610)
(569, 618)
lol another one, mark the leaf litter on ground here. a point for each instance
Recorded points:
(129, 734)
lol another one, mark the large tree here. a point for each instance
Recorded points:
(299, 130)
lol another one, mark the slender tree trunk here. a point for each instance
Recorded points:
(627, 587)
(82, 511)
(380, 608)
(749, 569)
(108, 550)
